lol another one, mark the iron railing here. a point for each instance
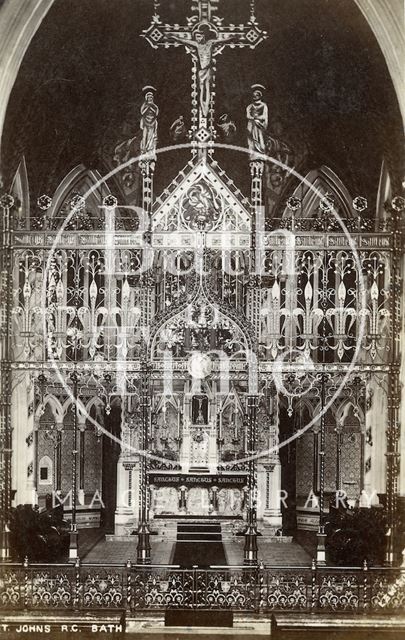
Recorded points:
(137, 588)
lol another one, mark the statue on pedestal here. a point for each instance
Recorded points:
(148, 124)
(257, 122)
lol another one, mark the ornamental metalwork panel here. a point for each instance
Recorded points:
(90, 302)
(226, 590)
(338, 592)
(103, 589)
(256, 589)
(50, 589)
(286, 590)
(386, 593)
(11, 586)
(203, 589)
(161, 589)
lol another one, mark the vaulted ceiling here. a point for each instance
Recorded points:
(78, 92)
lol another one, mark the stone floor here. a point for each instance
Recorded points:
(120, 552)
(162, 551)
(270, 553)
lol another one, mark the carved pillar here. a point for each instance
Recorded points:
(81, 466)
(185, 447)
(183, 499)
(402, 406)
(148, 284)
(394, 388)
(58, 457)
(250, 549)
(6, 203)
(128, 486)
(152, 501)
(339, 436)
(272, 494)
(253, 298)
(23, 440)
(143, 548)
(315, 464)
(212, 448)
(321, 536)
(375, 442)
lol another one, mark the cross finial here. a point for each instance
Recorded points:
(205, 9)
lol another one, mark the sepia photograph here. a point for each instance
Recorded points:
(202, 335)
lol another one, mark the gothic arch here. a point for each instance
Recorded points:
(81, 410)
(94, 402)
(72, 180)
(343, 412)
(324, 180)
(55, 406)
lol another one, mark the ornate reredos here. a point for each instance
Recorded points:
(198, 199)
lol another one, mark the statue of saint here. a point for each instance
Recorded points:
(257, 122)
(204, 49)
(148, 125)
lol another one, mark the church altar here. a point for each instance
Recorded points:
(197, 495)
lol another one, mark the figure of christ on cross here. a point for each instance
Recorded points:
(205, 50)
(204, 37)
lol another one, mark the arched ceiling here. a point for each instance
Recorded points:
(78, 90)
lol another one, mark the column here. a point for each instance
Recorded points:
(212, 448)
(6, 204)
(253, 301)
(272, 507)
(250, 548)
(125, 519)
(128, 485)
(23, 441)
(401, 500)
(82, 431)
(183, 499)
(143, 547)
(394, 384)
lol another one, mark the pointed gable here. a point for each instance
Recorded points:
(201, 198)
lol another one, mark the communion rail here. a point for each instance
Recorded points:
(134, 588)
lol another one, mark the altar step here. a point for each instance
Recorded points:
(209, 549)
(199, 532)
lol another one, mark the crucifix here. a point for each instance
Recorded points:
(204, 37)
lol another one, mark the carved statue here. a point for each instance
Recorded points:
(205, 49)
(257, 122)
(148, 124)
